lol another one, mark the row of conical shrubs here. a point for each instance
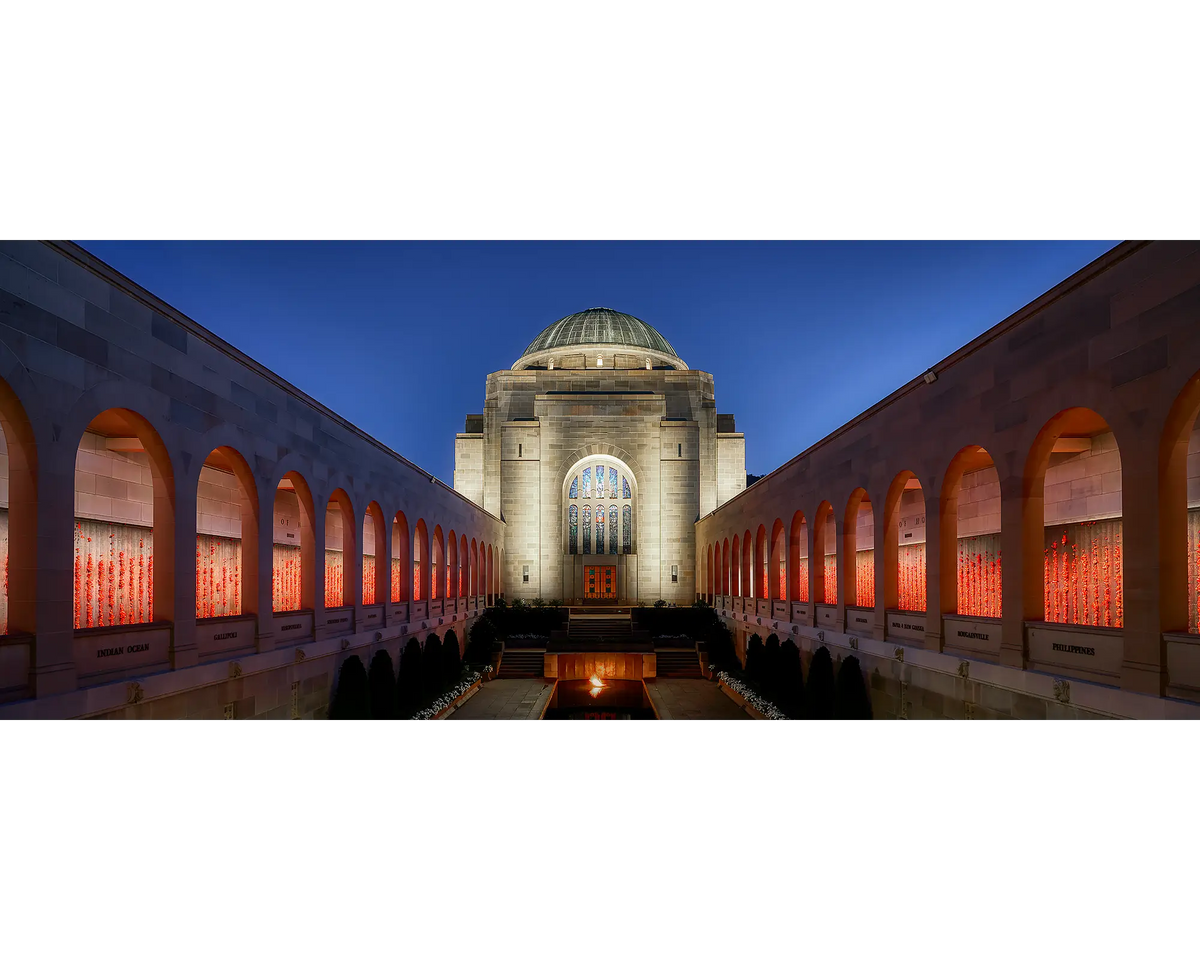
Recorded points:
(775, 671)
(426, 672)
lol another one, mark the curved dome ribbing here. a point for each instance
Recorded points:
(600, 325)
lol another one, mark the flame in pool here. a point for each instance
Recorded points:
(597, 685)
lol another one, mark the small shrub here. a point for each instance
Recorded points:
(820, 692)
(791, 681)
(721, 653)
(451, 660)
(408, 684)
(350, 698)
(770, 681)
(852, 701)
(754, 660)
(431, 669)
(479, 642)
(659, 604)
(381, 685)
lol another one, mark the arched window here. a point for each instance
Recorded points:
(611, 522)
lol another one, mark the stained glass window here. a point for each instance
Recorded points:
(612, 482)
(600, 528)
(574, 487)
(573, 525)
(587, 525)
(600, 488)
(612, 525)
(587, 482)
(626, 527)
(624, 488)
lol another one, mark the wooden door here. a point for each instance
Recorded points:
(599, 582)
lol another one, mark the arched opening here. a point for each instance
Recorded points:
(464, 567)
(374, 556)
(491, 593)
(858, 534)
(778, 569)
(971, 581)
(825, 589)
(798, 556)
(339, 545)
(452, 577)
(747, 576)
(761, 556)
(226, 536)
(401, 582)
(1073, 524)
(735, 567)
(1179, 514)
(18, 517)
(904, 585)
(725, 566)
(474, 568)
(599, 520)
(124, 517)
(293, 547)
(437, 567)
(420, 580)
(708, 576)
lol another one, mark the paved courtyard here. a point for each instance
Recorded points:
(507, 700)
(692, 700)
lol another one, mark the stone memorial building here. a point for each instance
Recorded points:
(1013, 533)
(600, 449)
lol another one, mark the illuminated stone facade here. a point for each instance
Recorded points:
(187, 535)
(1012, 533)
(600, 390)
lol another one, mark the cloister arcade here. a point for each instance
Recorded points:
(145, 537)
(1064, 516)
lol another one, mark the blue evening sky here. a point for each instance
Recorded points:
(398, 337)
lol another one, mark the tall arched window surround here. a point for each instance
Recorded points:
(613, 496)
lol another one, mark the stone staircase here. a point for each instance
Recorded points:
(521, 664)
(601, 631)
(681, 663)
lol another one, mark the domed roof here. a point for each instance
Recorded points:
(600, 325)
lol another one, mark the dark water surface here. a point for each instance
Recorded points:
(616, 700)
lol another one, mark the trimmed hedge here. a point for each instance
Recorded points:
(852, 702)
(820, 691)
(350, 698)
(754, 661)
(771, 686)
(408, 684)
(381, 686)
(791, 681)
(451, 661)
(479, 642)
(431, 669)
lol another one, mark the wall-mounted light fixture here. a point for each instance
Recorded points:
(929, 376)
